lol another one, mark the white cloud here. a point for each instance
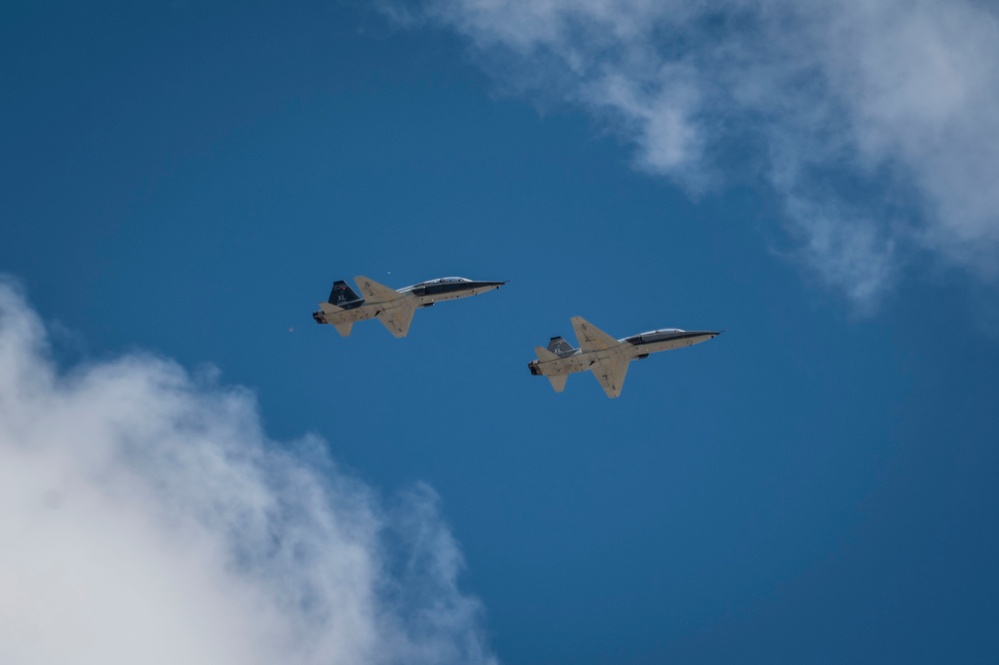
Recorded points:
(877, 123)
(146, 518)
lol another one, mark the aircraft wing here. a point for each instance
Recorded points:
(590, 337)
(610, 374)
(397, 319)
(375, 292)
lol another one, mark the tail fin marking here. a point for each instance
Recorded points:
(560, 347)
(343, 296)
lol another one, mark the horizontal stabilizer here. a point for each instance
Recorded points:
(344, 328)
(329, 308)
(558, 381)
(544, 354)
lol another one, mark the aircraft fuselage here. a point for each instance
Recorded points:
(606, 357)
(635, 347)
(394, 308)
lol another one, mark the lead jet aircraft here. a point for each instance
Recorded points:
(393, 308)
(605, 356)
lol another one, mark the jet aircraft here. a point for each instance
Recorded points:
(394, 308)
(605, 356)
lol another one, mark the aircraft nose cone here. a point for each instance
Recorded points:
(489, 285)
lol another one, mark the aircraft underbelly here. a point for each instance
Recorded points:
(362, 313)
(440, 297)
(563, 366)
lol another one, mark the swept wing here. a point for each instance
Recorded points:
(374, 292)
(610, 374)
(590, 337)
(397, 319)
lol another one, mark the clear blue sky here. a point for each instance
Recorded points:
(818, 484)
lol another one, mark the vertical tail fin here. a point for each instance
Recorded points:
(560, 347)
(343, 296)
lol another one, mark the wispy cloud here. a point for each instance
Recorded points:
(876, 124)
(145, 517)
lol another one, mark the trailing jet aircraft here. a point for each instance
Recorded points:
(605, 356)
(393, 308)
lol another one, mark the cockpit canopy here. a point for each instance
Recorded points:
(444, 280)
(654, 335)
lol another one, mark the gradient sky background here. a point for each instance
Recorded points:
(818, 484)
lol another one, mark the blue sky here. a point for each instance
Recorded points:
(184, 182)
